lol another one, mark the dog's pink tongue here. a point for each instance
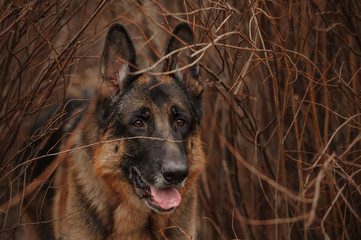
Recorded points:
(166, 198)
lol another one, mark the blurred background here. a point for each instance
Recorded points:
(282, 123)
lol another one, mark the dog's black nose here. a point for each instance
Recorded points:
(175, 170)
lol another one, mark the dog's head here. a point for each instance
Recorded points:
(153, 117)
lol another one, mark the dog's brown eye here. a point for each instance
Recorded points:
(138, 123)
(180, 122)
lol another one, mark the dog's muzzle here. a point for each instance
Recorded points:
(160, 199)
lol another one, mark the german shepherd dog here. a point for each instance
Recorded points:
(136, 151)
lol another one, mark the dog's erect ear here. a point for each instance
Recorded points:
(190, 77)
(118, 58)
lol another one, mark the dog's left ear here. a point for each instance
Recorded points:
(183, 37)
(118, 59)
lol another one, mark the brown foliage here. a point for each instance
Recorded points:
(282, 104)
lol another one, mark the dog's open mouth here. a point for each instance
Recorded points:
(159, 199)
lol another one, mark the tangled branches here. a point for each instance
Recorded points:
(282, 107)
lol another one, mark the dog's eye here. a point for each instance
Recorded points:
(138, 123)
(180, 122)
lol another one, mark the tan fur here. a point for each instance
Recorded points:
(94, 200)
(114, 200)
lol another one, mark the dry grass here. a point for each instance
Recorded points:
(282, 125)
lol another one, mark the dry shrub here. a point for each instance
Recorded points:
(282, 106)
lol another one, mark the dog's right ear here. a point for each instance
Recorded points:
(183, 36)
(118, 60)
